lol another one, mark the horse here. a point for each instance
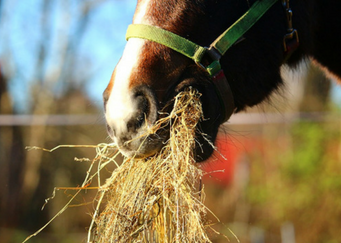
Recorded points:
(151, 71)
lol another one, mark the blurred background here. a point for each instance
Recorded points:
(276, 178)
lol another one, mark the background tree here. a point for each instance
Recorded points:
(52, 68)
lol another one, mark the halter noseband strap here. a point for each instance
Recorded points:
(217, 49)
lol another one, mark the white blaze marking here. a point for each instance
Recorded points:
(121, 105)
(140, 16)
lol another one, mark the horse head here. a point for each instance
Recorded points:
(150, 74)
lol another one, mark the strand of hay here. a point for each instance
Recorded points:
(106, 153)
(157, 199)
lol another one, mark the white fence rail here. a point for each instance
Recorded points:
(50, 120)
(237, 119)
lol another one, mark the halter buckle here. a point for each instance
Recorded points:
(214, 67)
(291, 41)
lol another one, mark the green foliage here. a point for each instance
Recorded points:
(301, 183)
(308, 147)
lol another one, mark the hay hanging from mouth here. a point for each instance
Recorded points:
(157, 199)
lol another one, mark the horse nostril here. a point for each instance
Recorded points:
(141, 114)
(146, 108)
(128, 116)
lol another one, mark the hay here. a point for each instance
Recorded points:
(158, 199)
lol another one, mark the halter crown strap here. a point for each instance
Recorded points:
(242, 25)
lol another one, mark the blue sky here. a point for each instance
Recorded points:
(336, 93)
(109, 46)
(98, 50)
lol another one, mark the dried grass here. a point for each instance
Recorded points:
(158, 199)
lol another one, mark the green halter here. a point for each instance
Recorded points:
(196, 52)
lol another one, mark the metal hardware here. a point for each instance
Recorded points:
(291, 38)
(285, 3)
(213, 53)
(214, 56)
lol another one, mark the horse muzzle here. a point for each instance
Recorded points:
(129, 119)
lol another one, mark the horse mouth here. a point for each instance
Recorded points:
(145, 136)
(145, 139)
(142, 146)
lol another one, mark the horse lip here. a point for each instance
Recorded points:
(142, 147)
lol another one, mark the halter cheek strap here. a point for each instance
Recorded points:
(216, 50)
